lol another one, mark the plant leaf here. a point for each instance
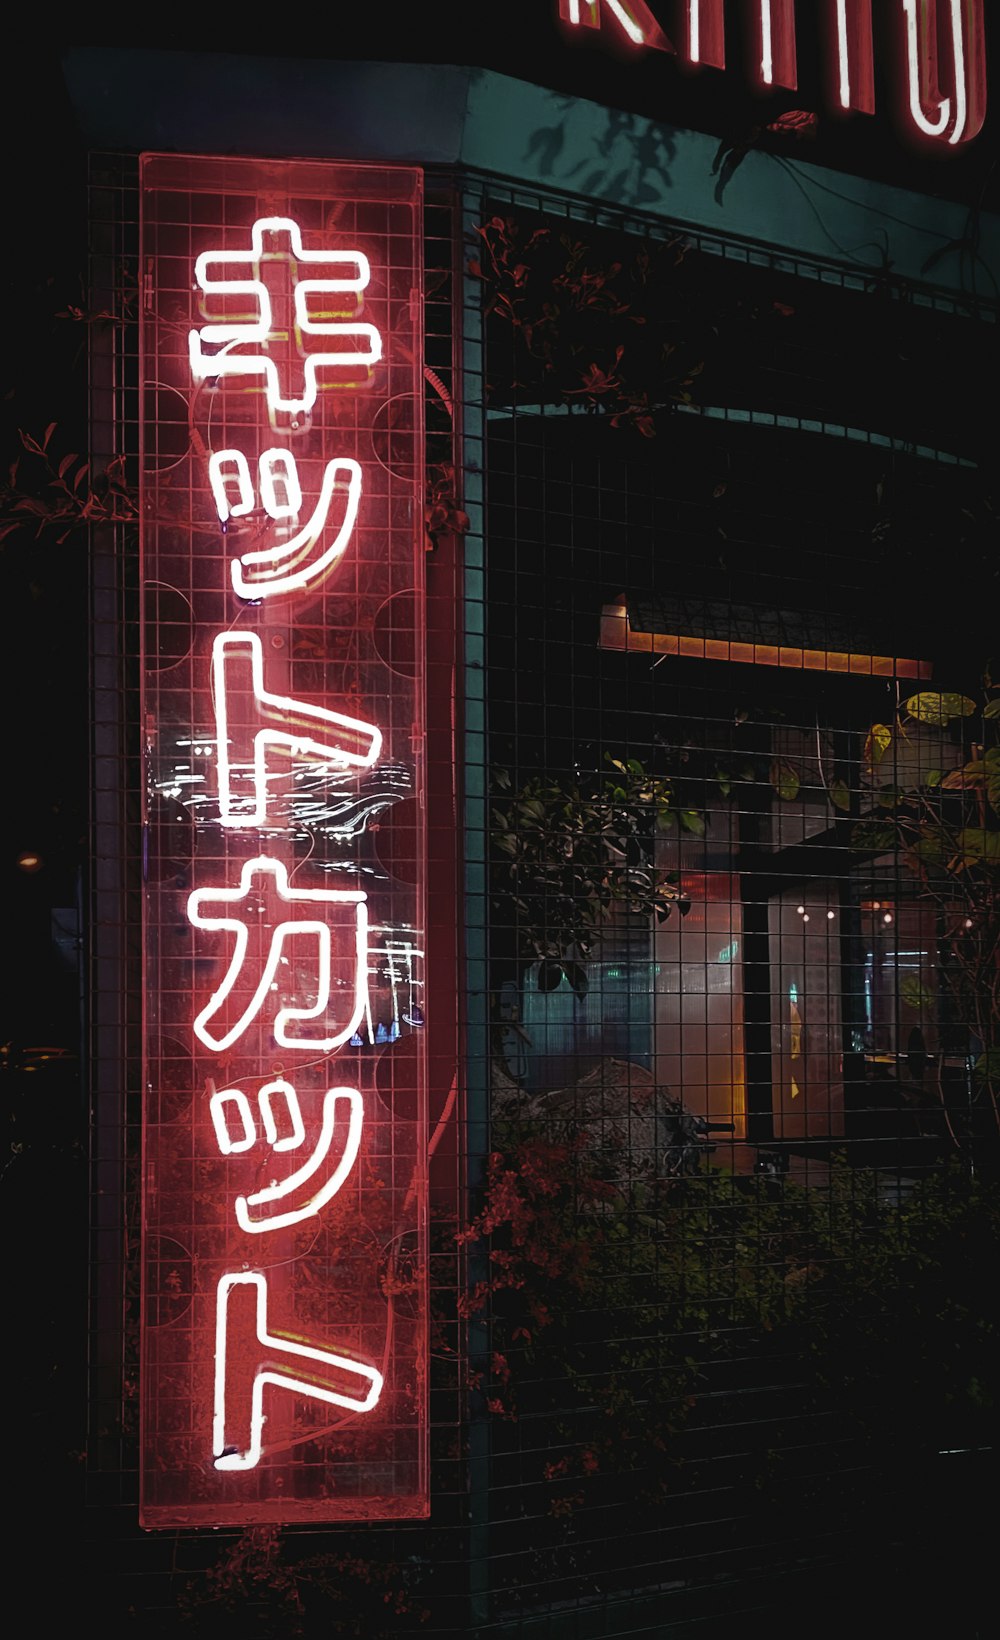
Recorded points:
(938, 709)
(785, 780)
(878, 743)
(915, 994)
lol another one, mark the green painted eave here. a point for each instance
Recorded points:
(471, 118)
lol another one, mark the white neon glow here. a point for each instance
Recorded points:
(217, 1106)
(290, 566)
(633, 16)
(246, 333)
(293, 1109)
(264, 866)
(224, 465)
(306, 1358)
(694, 30)
(310, 732)
(936, 125)
(843, 55)
(282, 466)
(766, 49)
(631, 27)
(254, 1213)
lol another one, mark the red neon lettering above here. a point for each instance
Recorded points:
(705, 33)
(943, 52)
(954, 115)
(775, 26)
(633, 18)
(855, 61)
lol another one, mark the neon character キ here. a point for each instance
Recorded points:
(225, 276)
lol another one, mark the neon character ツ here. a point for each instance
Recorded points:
(260, 956)
(211, 347)
(299, 1369)
(307, 557)
(305, 1192)
(300, 730)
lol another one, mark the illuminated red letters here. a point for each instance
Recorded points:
(633, 17)
(946, 68)
(284, 1299)
(943, 51)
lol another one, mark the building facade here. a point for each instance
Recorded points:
(631, 701)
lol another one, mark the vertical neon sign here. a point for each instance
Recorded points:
(284, 1171)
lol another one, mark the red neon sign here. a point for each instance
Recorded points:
(942, 52)
(284, 1175)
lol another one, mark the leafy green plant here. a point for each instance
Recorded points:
(945, 827)
(570, 853)
(613, 1308)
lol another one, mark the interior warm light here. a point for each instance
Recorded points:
(616, 632)
(29, 862)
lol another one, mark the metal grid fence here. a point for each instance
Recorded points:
(715, 1131)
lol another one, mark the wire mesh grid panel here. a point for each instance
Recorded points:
(114, 879)
(722, 1114)
(284, 1367)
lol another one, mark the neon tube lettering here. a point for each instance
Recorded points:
(227, 334)
(852, 33)
(959, 118)
(293, 565)
(350, 901)
(217, 1108)
(293, 1108)
(633, 17)
(238, 678)
(306, 1363)
(706, 33)
(282, 466)
(224, 465)
(256, 1213)
(776, 34)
